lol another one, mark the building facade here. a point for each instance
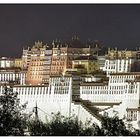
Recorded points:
(6, 62)
(59, 59)
(13, 76)
(119, 61)
(37, 60)
(85, 64)
(63, 55)
(18, 63)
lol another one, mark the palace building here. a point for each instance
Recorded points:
(64, 54)
(119, 61)
(71, 79)
(37, 61)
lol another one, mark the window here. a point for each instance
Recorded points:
(131, 115)
(131, 88)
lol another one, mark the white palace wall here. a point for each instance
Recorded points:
(48, 98)
(83, 114)
(122, 90)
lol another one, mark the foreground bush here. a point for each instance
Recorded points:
(12, 121)
(62, 126)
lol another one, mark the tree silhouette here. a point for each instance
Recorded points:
(114, 127)
(63, 126)
(12, 121)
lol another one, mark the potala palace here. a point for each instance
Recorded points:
(78, 81)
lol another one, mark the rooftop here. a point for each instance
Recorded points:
(127, 73)
(45, 85)
(66, 75)
(86, 58)
(94, 84)
(11, 69)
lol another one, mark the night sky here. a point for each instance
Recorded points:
(112, 25)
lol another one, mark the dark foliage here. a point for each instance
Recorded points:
(114, 127)
(37, 128)
(62, 126)
(12, 122)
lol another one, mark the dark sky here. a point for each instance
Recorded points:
(112, 25)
